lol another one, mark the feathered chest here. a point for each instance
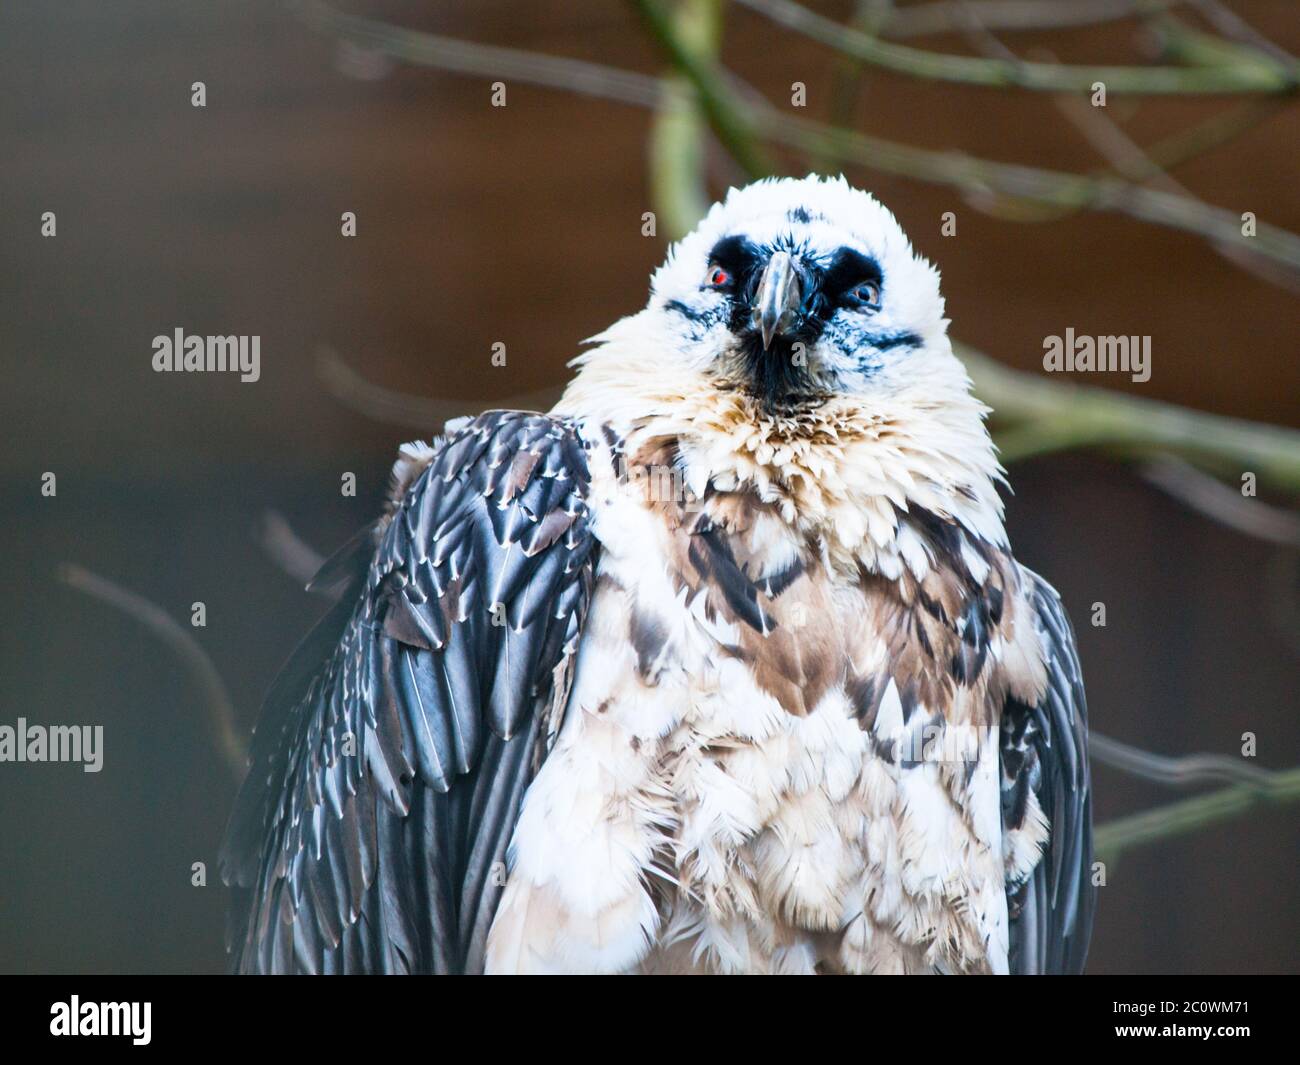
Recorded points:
(722, 572)
(777, 738)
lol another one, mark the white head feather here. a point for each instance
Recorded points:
(819, 216)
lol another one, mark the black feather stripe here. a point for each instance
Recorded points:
(713, 559)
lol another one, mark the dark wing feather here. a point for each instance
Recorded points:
(393, 751)
(1045, 751)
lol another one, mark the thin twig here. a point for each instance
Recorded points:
(944, 16)
(1177, 148)
(847, 78)
(1130, 161)
(1127, 159)
(404, 408)
(481, 60)
(286, 549)
(1114, 838)
(1179, 772)
(1217, 130)
(680, 128)
(1222, 503)
(1230, 24)
(1253, 72)
(203, 672)
(1037, 416)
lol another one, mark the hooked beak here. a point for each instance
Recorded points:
(777, 299)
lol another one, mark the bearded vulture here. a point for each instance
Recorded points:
(722, 665)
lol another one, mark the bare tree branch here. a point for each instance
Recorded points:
(1252, 72)
(1230, 24)
(216, 700)
(944, 16)
(1223, 503)
(1037, 416)
(1126, 158)
(481, 60)
(1114, 838)
(283, 546)
(424, 413)
(1180, 772)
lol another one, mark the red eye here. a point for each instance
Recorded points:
(718, 276)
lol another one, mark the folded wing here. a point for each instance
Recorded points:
(393, 751)
(1045, 754)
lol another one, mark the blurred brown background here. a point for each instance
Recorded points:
(522, 225)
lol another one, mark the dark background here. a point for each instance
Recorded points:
(522, 225)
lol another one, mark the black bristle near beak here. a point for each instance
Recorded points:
(777, 327)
